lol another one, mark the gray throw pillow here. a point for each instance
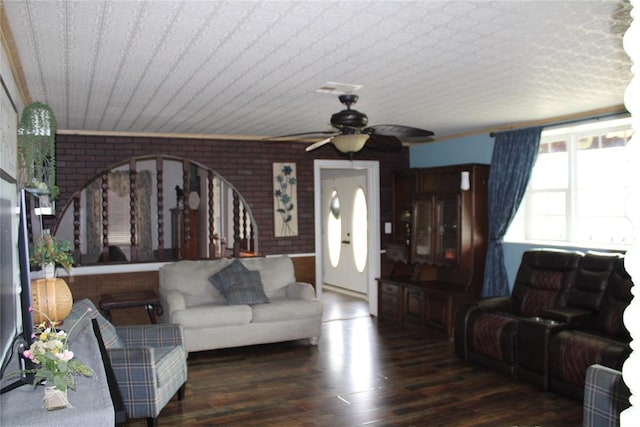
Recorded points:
(239, 285)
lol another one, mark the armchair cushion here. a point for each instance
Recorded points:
(239, 285)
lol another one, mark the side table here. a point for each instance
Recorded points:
(533, 349)
(148, 299)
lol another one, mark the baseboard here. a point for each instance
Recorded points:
(344, 291)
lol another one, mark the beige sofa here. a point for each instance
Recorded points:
(190, 299)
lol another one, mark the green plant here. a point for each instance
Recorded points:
(49, 250)
(36, 148)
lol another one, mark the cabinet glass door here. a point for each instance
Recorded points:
(422, 242)
(448, 229)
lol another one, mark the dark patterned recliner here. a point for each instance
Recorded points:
(603, 340)
(485, 332)
(583, 303)
(587, 293)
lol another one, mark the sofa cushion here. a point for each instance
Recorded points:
(283, 309)
(190, 278)
(208, 316)
(275, 273)
(239, 285)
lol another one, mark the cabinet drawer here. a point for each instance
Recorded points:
(413, 307)
(389, 300)
(438, 311)
(389, 289)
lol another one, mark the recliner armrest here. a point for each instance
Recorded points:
(567, 315)
(300, 290)
(160, 335)
(502, 304)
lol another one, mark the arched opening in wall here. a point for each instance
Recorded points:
(157, 208)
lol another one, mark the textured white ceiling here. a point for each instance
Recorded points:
(252, 68)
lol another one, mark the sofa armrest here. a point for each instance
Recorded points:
(502, 304)
(300, 290)
(171, 301)
(161, 335)
(605, 396)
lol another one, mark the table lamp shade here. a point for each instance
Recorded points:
(51, 297)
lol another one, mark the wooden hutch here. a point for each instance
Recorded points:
(440, 232)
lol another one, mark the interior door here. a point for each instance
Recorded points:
(345, 232)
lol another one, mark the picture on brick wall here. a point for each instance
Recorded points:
(285, 202)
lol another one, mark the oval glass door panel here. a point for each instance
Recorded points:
(359, 233)
(334, 229)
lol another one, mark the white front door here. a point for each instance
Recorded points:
(371, 170)
(345, 231)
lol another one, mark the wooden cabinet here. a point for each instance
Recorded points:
(436, 237)
(389, 300)
(184, 233)
(403, 189)
(414, 304)
(449, 233)
(428, 303)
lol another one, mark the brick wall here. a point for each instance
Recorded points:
(247, 165)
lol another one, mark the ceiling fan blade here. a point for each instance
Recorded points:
(318, 144)
(405, 133)
(383, 143)
(292, 135)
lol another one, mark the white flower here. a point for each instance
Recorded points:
(65, 355)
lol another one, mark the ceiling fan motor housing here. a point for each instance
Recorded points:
(349, 119)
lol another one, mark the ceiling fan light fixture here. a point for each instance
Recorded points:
(351, 143)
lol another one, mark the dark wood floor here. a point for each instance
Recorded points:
(361, 373)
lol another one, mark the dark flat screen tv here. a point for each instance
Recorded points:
(15, 299)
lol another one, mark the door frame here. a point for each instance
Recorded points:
(372, 169)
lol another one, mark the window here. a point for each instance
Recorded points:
(578, 191)
(359, 226)
(334, 229)
(119, 219)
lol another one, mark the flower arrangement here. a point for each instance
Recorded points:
(50, 352)
(48, 250)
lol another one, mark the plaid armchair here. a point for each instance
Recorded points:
(149, 362)
(605, 397)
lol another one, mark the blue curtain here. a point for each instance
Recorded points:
(514, 154)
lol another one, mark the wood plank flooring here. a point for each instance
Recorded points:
(361, 373)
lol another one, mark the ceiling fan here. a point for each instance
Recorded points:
(352, 133)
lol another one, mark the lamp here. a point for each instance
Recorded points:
(464, 181)
(350, 143)
(51, 297)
